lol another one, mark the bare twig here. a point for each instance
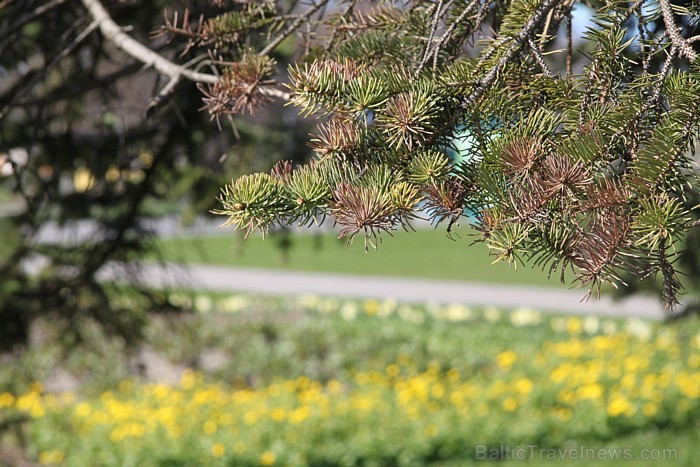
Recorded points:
(38, 11)
(433, 27)
(521, 39)
(678, 41)
(114, 34)
(539, 58)
(334, 32)
(292, 27)
(448, 34)
(569, 44)
(547, 23)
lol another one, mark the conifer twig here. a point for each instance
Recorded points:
(433, 27)
(539, 58)
(448, 34)
(292, 27)
(517, 44)
(684, 48)
(140, 52)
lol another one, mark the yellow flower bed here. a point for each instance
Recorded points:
(586, 388)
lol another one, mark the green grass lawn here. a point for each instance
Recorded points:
(427, 253)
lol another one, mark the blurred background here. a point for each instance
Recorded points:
(133, 331)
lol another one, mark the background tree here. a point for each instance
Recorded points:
(86, 133)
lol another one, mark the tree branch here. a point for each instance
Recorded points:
(19, 23)
(448, 34)
(678, 41)
(519, 41)
(292, 27)
(433, 26)
(140, 52)
(114, 34)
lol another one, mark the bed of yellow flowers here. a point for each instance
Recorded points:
(588, 383)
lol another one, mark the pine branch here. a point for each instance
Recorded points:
(539, 58)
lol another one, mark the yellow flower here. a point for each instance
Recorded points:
(563, 413)
(371, 307)
(506, 359)
(187, 379)
(438, 391)
(299, 415)
(574, 326)
(52, 457)
(334, 386)
(618, 405)
(218, 450)
(209, 427)
(6, 400)
(268, 458)
(649, 409)
(392, 371)
(589, 391)
(510, 404)
(523, 386)
(278, 414)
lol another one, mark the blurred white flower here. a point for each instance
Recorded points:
(232, 304)
(329, 305)
(203, 304)
(642, 330)
(457, 312)
(349, 311)
(407, 313)
(609, 326)
(558, 324)
(492, 314)
(524, 316)
(387, 307)
(309, 301)
(434, 309)
(180, 300)
(591, 325)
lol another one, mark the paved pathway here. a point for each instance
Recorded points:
(272, 282)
